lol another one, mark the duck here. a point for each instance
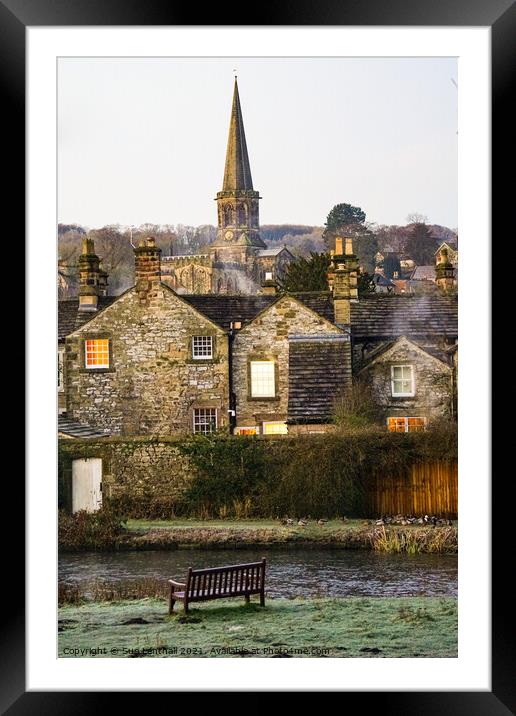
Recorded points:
(302, 523)
(321, 522)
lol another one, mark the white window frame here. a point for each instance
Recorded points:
(194, 424)
(412, 380)
(274, 422)
(252, 390)
(98, 366)
(60, 370)
(406, 419)
(203, 356)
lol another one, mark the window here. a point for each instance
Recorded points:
(202, 347)
(402, 380)
(60, 371)
(406, 425)
(263, 382)
(276, 428)
(96, 351)
(204, 420)
(246, 430)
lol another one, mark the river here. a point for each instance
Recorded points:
(312, 572)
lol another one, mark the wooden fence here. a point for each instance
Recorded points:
(428, 489)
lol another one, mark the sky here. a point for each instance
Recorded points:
(143, 140)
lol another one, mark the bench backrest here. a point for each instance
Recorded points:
(233, 579)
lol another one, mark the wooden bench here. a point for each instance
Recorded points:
(236, 580)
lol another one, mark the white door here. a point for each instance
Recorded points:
(87, 484)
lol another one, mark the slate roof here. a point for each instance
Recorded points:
(223, 309)
(442, 355)
(69, 317)
(391, 315)
(77, 430)
(315, 369)
(423, 273)
(271, 252)
(374, 316)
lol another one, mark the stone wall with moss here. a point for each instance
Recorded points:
(135, 471)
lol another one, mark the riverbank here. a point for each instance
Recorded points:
(351, 627)
(247, 534)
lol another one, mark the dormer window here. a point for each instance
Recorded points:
(202, 347)
(402, 381)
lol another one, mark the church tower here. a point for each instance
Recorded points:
(238, 234)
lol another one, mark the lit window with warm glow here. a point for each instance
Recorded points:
(246, 430)
(96, 351)
(275, 428)
(263, 382)
(402, 380)
(406, 425)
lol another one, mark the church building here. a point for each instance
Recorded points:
(238, 261)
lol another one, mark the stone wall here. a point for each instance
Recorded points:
(141, 471)
(153, 383)
(266, 338)
(432, 382)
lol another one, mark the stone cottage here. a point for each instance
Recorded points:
(151, 361)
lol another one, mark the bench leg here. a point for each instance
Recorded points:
(247, 599)
(185, 606)
(262, 599)
(171, 601)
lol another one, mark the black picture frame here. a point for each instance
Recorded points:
(500, 15)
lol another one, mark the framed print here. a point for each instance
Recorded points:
(261, 442)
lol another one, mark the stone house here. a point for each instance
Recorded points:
(151, 361)
(147, 362)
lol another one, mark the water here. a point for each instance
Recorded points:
(313, 572)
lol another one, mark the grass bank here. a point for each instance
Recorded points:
(248, 534)
(245, 534)
(352, 627)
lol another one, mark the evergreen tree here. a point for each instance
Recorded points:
(346, 220)
(307, 274)
(421, 244)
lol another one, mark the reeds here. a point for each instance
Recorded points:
(112, 591)
(414, 540)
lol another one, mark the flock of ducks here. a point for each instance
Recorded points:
(303, 522)
(385, 520)
(411, 520)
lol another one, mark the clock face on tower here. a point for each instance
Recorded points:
(228, 235)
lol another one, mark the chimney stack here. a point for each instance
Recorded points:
(147, 269)
(342, 279)
(444, 272)
(269, 286)
(92, 280)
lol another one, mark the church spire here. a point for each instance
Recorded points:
(237, 172)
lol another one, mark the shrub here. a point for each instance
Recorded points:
(357, 406)
(83, 530)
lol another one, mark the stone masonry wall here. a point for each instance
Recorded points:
(266, 338)
(153, 382)
(432, 382)
(138, 470)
